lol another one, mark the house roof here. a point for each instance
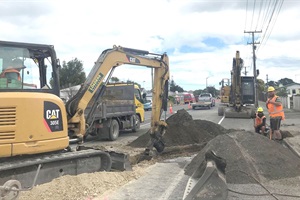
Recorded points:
(288, 85)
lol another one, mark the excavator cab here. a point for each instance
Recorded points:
(27, 97)
(27, 66)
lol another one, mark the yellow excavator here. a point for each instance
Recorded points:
(241, 93)
(36, 126)
(224, 90)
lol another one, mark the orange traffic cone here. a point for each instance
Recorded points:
(190, 105)
(171, 109)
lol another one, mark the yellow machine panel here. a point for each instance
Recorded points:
(17, 116)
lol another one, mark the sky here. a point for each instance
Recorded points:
(200, 37)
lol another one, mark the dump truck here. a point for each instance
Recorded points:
(37, 127)
(242, 94)
(120, 105)
(120, 108)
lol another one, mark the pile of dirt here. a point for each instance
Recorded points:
(249, 155)
(183, 130)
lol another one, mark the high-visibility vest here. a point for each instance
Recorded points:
(10, 70)
(258, 120)
(275, 111)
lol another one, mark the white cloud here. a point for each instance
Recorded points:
(83, 29)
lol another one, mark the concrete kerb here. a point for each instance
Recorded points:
(293, 144)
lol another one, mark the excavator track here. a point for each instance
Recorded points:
(52, 166)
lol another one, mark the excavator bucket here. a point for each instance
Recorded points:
(212, 184)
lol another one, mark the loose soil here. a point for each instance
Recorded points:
(248, 156)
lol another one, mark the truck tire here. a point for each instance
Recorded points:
(113, 130)
(136, 123)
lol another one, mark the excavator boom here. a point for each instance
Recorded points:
(103, 68)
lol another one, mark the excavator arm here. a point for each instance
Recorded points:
(102, 70)
(236, 100)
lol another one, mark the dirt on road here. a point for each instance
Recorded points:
(247, 155)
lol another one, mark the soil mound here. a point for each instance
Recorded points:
(183, 130)
(249, 155)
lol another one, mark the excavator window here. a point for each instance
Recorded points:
(25, 68)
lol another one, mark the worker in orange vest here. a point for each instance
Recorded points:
(275, 108)
(13, 71)
(260, 121)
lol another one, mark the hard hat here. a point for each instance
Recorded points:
(271, 89)
(260, 109)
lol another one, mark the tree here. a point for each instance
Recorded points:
(174, 87)
(197, 92)
(281, 92)
(272, 83)
(285, 81)
(211, 90)
(115, 79)
(71, 74)
(260, 86)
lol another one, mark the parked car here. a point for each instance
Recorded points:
(148, 105)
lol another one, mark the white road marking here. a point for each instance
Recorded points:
(221, 119)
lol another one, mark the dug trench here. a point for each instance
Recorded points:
(249, 156)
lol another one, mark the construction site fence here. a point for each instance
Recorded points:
(291, 102)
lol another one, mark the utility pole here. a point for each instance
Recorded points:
(267, 80)
(254, 64)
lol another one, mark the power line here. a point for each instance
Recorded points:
(274, 15)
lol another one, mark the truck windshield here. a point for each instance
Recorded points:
(21, 70)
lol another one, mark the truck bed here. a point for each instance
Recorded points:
(117, 101)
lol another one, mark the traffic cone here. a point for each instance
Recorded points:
(171, 109)
(190, 105)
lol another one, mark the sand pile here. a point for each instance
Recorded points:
(183, 130)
